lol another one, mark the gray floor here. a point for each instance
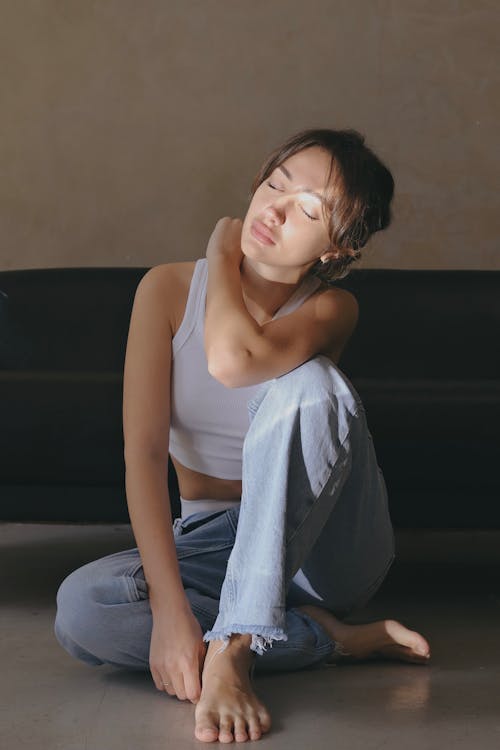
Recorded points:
(445, 584)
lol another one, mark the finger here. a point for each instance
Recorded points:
(178, 686)
(162, 683)
(157, 679)
(168, 686)
(192, 685)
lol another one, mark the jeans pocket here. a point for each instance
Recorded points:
(136, 580)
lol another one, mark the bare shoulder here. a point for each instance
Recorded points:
(171, 282)
(335, 302)
(341, 307)
(169, 274)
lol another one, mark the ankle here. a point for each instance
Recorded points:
(237, 643)
(236, 653)
(240, 642)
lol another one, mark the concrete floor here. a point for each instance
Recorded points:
(444, 584)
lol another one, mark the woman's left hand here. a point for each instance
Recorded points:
(225, 240)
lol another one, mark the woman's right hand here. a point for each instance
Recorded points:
(177, 653)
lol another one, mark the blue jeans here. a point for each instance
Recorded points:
(313, 527)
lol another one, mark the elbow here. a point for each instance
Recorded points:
(228, 368)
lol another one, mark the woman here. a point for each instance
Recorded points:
(231, 366)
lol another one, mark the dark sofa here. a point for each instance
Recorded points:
(424, 359)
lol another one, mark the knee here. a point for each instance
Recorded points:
(77, 615)
(72, 601)
(318, 375)
(319, 382)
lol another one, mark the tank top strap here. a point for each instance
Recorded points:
(195, 305)
(307, 287)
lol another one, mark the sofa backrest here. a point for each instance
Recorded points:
(66, 319)
(441, 324)
(424, 359)
(413, 324)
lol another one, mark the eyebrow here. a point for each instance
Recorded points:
(304, 190)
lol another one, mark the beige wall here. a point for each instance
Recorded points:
(130, 126)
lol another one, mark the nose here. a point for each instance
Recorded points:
(275, 212)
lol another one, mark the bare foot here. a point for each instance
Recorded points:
(385, 639)
(228, 708)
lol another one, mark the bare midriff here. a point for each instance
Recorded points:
(196, 486)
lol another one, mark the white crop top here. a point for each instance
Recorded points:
(209, 421)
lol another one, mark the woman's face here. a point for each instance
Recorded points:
(284, 232)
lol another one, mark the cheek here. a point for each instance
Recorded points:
(252, 210)
(245, 229)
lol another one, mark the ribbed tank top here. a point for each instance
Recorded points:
(209, 421)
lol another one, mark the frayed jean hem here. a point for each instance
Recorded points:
(262, 636)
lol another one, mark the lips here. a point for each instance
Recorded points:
(261, 232)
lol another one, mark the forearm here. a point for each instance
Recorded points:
(148, 501)
(230, 330)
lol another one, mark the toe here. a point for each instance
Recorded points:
(240, 730)
(403, 653)
(226, 730)
(206, 729)
(226, 725)
(254, 730)
(409, 638)
(264, 719)
(206, 735)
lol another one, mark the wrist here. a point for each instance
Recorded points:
(168, 602)
(225, 242)
(221, 256)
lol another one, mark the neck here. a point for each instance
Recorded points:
(265, 294)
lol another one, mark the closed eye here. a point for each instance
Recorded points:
(313, 218)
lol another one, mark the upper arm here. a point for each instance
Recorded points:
(322, 324)
(146, 377)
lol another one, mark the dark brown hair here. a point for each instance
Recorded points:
(358, 197)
